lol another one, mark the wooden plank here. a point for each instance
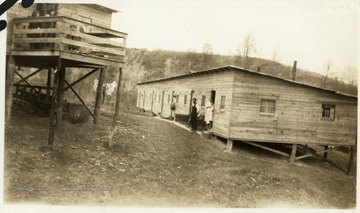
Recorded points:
(267, 148)
(99, 95)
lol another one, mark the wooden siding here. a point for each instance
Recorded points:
(298, 113)
(86, 13)
(298, 108)
(222, 83)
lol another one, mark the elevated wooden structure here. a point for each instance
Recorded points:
(74, 36)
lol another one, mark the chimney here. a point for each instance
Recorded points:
(293, 77)
(259, 69)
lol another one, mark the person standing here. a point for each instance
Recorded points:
(209, 113)
(193, 115)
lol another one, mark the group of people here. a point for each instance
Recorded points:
(194, 114)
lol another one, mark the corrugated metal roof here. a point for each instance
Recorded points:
(240, 69)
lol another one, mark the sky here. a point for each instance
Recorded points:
(314, 33)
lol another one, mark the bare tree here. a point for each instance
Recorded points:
(327, 72)
(207, 49)
(207, 54)
(248, 45)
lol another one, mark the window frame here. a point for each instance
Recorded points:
(266, 108)
(331, 114)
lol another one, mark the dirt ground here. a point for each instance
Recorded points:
(154, 163)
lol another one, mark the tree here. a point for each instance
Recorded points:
(248, 45)
(247, 48)
(207, 49)
(327, 72)
(207, 54)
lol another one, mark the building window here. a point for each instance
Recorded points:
(203, 98)
(177, 98)
(328, 111)
(222, 103)
(169, 98)
(267, 106)
(185, 99)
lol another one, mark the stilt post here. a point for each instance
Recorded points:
(52, 121)
(293, 153)
(117, 109)
(48, 86)
(61, 92)
(10, 68)
(229, 145)
(98, 96)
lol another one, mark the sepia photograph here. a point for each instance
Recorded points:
(179, 105)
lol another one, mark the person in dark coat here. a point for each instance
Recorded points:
(193, 115)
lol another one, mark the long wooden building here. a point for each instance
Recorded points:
(252, 106)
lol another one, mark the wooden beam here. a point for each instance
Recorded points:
(10, 68)
(98, 95)
(52, 121)
(82, 78)
(22, 78)
(80, 99)
(61, 92)
(117, 109)
(268, 148)
(48, 86)
(30, 75)
(293, 153)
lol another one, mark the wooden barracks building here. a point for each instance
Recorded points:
(256, 107)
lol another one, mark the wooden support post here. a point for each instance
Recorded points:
(61, 93)
(98, 96)
(293, 153)
(10, 68)
(52, 122)
(117, 109)
(48, 86)
(326, 151)
(351, 160)
(229, 145)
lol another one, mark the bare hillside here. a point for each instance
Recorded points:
(143, 65)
